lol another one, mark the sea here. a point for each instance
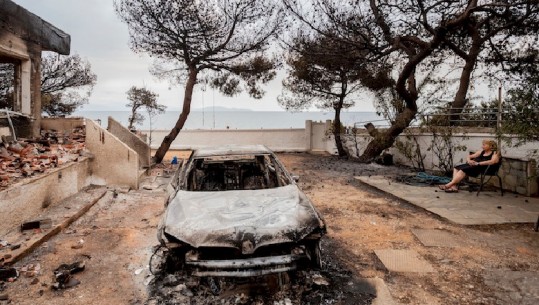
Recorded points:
(233, 119)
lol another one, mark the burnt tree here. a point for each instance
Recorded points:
(402, 42)
(324, 73)
(223, 42)
(488, 38)
(66, 83)
(142, 98)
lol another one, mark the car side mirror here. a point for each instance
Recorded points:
(296, 178)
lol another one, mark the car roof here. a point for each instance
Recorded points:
(229, 150)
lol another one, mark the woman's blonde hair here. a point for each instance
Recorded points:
(493, 145)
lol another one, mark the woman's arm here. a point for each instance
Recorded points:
(470, 158)
(495, 159)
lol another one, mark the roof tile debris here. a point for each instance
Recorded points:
(29, 157)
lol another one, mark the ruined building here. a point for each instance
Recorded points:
(23, 36)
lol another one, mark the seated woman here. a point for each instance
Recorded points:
(475, 165)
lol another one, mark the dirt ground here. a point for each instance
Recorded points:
(115, 237)
(118, 236)
(361, 220)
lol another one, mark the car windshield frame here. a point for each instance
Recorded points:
(195, 166)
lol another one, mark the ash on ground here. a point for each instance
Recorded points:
(331, 285)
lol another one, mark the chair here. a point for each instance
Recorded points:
(491, 171)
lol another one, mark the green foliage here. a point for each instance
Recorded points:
(522, 116)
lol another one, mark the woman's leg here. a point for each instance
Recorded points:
(450, 184)
(458, 175)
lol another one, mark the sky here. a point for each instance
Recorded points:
(98, 35)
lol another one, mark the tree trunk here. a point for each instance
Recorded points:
(132, 117)
(167, 141)
(385, 139)
(460, 101)
(337, 129)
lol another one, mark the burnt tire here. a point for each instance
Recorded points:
(315, 254)
(175, 261)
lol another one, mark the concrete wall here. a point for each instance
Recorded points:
(519, 176)
(114, 162)
(25, 200)
(316, 138)
(61, 124)
(276, 139)
(131, 140)
(519, 168)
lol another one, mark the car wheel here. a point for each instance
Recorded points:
(175, 261)
(315, 252)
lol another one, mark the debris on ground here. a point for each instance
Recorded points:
(319, 280)
(63, 275)
(8, 274)
(37, 224)
(30, 270)
(78, 245)
(24, 157)
(332, 285)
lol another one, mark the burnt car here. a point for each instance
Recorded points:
(235, 211)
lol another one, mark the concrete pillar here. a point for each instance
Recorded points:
(26, 98)
(328, 125)
(17, 87)
(35, 81)
(308, 135)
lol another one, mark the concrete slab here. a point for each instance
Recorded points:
(435, 238)
(464, 207)
(61, 215)
(383, 296)
(514, 287)
(403, 261)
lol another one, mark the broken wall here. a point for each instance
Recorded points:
(26, 200)
(27, 59)
(23, 36)
(61, 124)
(131, 140)
(113, 162)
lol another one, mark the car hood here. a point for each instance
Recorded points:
(231, 218)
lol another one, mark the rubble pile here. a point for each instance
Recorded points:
(28, 157)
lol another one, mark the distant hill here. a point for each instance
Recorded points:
(220, 109)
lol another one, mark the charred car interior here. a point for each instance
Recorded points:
(237, 212)
(235, 172)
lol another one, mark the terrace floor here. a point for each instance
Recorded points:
(464, 207)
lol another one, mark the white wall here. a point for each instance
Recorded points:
(315, 137)
(276, 139)
(114, 162)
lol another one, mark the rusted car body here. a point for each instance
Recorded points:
(236, 212)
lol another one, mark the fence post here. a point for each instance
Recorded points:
(308, 135)
(499, 123)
